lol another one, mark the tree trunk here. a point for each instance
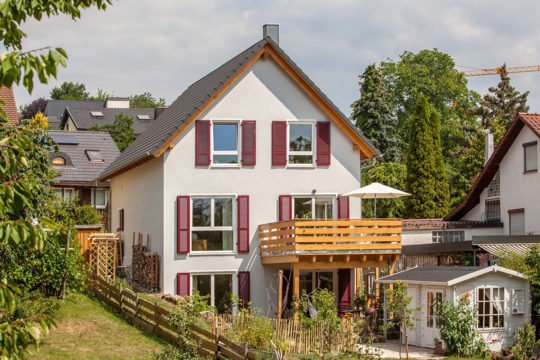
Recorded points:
(64, 281)
(406, 343)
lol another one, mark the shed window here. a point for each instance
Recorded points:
(433, 300)
(516, 218)
(301, 143)
(490, 303)
(530, 154)
(59, 160)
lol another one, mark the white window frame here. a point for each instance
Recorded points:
(490, 315)
(313, 151)
(314, 197)
(234, 283)
(213, 228)
(221, 152)
(525, 147)
(434, 316)
(94, 198)
(65, 190)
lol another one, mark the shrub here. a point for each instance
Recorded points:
(86, 215)
(252, 328)
(526, 343)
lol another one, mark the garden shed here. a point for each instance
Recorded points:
(501, 298)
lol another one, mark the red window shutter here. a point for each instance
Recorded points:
(243, 223)
(285, 207)
(343, 207)
(249, 143)
(183, 284)
(244, 288)
(202, 143)
(279, 143)
(323, 143)
(182, 224)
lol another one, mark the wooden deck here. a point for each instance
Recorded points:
(331, 241)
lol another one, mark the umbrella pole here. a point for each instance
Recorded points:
(375, 214)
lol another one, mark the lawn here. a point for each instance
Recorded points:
(89, 330)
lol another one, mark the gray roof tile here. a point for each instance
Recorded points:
(56, 107)
(85, 121)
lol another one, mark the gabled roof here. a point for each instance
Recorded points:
(201, 94)
(532, 121)
(55, 109)
(7, 103)
(444, 275)
(72, 145)
(84, 120)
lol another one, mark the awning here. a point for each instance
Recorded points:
(508, 244)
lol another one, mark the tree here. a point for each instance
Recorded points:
(426, 176)
(393, 175)
(69, 90)
(38, 122)
(501, 105)
(145, 100)
(121, 131)
(372, 113)
(101, 95)
(398, 309)
(36, 106)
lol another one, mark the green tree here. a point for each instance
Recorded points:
(121, 131)
(426, 176)
(69, 90)
(501, 105)
(399, 310)
(145, 100)
(393, 175)
(372, 113)
(101, 95)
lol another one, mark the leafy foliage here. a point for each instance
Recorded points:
(121, 131)
(372, 113)
(145, 100)
(36, 106)
(457, 326)
(38, 122)
(525, 342)
(393, 175)
(69, 90)
(426, 176)
(249, 326)
(86, 215)
(399, 310)
(101, 95)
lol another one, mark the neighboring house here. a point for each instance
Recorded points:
(501, 298)
(252, 143)
(8, 105)
(80, 158)
(55, 109)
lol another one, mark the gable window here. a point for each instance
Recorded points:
(300, 144)
(225, 143)
(530, 157)
(516, 219)
(217, 288)
(212, 224)
(313, 207)
(59, 160)
(490, 305)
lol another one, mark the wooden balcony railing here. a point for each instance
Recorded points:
(328, 237)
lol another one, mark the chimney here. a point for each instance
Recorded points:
(272, 31)
(158, 111)
(489, 145)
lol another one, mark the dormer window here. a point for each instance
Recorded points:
(94, 155)
(59, 160)
(530, 156)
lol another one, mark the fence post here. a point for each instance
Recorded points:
(216, 352)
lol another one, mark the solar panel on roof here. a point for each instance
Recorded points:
(65, 139)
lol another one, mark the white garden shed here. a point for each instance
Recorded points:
(501, 297)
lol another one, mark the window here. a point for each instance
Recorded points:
(65, 193)
(313, 207)
(530, 156)
(212, 224)
(94, 155)
(121, 220)
(143, 117)
(96, 113)
(448, 236)
(225, 143)
(100, 198)
(433, 300)
(490, 302)
(59, 160)
(217, 288)
(517, 221)
(493, 209)
(301, 143)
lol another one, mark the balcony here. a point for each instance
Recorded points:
(338, 243)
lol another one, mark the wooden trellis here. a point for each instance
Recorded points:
(145, 265)
(103, 254)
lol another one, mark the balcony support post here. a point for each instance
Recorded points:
(296, 289)
(280, 294)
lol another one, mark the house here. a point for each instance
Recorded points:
(80, 158)
(238, 187)
(54, 110)
(8, 105)
(501, 298)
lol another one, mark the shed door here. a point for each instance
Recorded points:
(412, 291)
(428, 319)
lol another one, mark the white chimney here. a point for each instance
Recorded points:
(117, 103)
(271, 31)
(489, 145)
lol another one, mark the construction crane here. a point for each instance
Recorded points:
(497, 70)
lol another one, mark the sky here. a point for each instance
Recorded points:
(162, 46)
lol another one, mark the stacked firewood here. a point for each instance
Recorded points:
(144, 266)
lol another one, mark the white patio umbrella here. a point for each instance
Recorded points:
(376, 191)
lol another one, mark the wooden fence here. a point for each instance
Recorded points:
(153, 318)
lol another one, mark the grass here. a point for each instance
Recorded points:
(88, 330)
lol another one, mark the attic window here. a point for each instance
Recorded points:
(143, 117)
(58, 160)
(94, 155)
(96, 113)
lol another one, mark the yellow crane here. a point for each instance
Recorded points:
(497, 70)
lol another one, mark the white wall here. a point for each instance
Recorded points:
(416, 237)
(263, 94)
